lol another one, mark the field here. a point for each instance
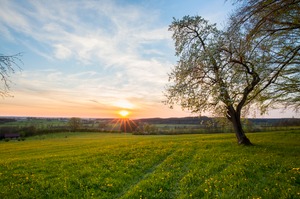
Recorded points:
(107, 165)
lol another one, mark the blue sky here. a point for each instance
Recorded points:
(93, 58)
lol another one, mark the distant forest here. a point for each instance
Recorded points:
(201, 120)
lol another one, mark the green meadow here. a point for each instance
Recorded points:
(99, 165)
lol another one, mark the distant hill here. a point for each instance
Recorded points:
(175, 120)
(172, 120)
(199, 120)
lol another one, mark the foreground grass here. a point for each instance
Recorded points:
(91, 165)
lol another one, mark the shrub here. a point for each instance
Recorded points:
(146, 129)
(29, 131)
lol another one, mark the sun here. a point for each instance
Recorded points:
(124, 113)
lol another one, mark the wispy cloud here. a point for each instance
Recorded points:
(104, 37)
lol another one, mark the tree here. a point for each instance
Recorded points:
(74, 123)
(228, 72)
(275, 23)
(8, 64)
(203, 79)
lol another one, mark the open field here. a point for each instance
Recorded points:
(95, 165)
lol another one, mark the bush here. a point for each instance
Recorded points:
(28, 131)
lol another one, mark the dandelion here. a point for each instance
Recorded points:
(160, 190)
(205, 190)
(296, 169)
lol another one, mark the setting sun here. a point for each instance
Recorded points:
(124, 113)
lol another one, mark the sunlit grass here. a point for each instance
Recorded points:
(92, 165)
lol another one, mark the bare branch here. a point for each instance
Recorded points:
(8, 65)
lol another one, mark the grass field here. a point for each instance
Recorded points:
(94, 165)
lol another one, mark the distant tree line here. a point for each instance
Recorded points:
(151, 126)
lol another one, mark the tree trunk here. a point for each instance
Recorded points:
(235, 119)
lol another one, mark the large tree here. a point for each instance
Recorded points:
(8, 65)
(228, 71)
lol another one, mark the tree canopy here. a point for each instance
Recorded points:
(74, 124)
(276, 24)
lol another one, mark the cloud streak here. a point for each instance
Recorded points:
(106, 37)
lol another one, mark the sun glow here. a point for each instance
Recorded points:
(124, 113)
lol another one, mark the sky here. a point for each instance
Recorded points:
(94, 58)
